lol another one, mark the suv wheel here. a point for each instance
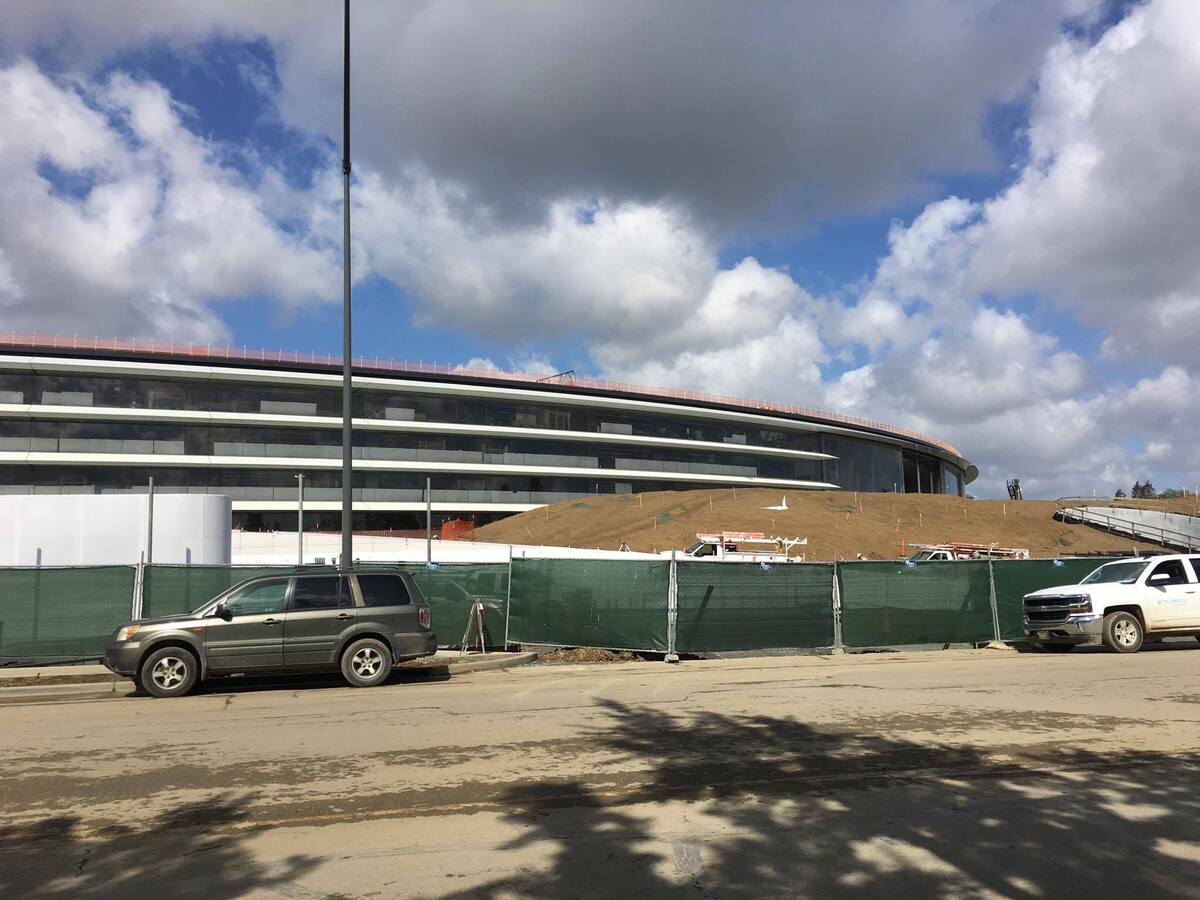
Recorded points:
(169, 672)
(366, 663)
(1123, 632)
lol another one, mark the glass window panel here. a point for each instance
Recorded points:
(258, 599)
(319, 592)
(383, 590)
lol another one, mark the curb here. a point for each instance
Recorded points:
(453, 667)
(36, 680)
(483, 665)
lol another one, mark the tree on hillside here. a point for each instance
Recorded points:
(1143, 491)
(1174, 493)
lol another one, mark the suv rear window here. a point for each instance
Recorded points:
(383, 590)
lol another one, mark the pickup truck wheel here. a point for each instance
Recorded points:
(1123, 632)
(169, 672)
(366, 663)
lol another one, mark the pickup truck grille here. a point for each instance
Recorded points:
(1056, 609)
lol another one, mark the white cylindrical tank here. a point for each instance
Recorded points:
(111, 529)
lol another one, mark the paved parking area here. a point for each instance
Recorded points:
(977, 773)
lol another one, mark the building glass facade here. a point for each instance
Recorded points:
(246, 432)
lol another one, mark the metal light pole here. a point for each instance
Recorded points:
(428, 522)
(300, 521)
(347, 557)
(150, 522)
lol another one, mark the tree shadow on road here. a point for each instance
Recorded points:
(188, 851)
(757, 806)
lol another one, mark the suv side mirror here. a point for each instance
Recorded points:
(221, 611)
(1160, 578)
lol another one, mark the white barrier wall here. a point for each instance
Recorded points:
(278, 548)
(110, 529)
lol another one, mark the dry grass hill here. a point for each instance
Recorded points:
(838, 524)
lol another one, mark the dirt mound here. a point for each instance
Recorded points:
(838, 524)
(588, 655)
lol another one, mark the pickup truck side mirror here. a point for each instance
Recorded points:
(221, 611)
(1160, 578)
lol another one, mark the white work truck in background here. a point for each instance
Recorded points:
(1121, 604)
(744, 546)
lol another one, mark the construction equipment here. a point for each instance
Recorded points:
(934, 552)
(745, 546)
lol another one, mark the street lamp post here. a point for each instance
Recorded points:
(347, 557)
(300, 520)
(150, 522)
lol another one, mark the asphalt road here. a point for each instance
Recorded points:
(960, 773)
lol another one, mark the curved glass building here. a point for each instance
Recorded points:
(88, 416)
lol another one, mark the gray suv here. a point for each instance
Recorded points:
(357, 622)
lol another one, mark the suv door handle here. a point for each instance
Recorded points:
(272, 621)
(343, 616)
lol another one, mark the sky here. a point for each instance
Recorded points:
(979, 219)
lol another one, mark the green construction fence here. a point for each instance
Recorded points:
(889, 603)
(1016, 578)
(453, 588)
(170, 590)
(748, 606)
(617, 604)
(450, 589)
(62, 613)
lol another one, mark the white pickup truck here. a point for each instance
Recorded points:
(1121, 604)
(743, 546)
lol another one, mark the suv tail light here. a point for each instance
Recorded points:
(423, 616)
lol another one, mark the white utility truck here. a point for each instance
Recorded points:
(944, 552)
(1121, 604)
(744, 546)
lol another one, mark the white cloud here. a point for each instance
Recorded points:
(8, 281)
(1104, 217)
(529, 364)
(139, 225)
(762, 120)
(636, 282)
(1102, 220)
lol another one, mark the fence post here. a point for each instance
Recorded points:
(139, 579)
(508, 597)
(37, 596)
(992, 597)
(838, 644)
(672, 609)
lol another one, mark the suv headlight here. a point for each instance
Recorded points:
(127, 632)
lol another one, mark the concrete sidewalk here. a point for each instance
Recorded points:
(451, 662)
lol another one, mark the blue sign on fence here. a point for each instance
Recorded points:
(431, 566)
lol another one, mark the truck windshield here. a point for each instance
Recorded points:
(702, 549)
(1113, 573)
(923, 555)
